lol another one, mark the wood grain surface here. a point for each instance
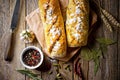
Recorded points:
(109, 65)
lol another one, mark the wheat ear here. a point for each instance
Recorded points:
(106, 22)
(111, 18)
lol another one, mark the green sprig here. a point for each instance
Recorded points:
(105, 41)
(95, 53)
(29, 74)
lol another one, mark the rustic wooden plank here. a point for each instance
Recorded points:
(101, 74)
(2, 72)
(102, 68)
(91, 71)
(6, 67)
(118, 76)
(3, 68)
(6, 9)
(108, 63)
(48, 67)
(18, 45)
(1, 17)
(111, 58)
(75, 76)
(97, 33)
(66, 72)
(31, 5)
(85, 69)
(102, 71)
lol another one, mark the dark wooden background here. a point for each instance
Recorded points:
(109, 66)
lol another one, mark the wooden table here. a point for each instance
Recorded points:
(109, 66)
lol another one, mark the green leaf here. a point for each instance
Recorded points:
(29, 74)
(96, 53)
(96, 65)
(90, 54)
(86, 54)
(105, 41)
(103, 47)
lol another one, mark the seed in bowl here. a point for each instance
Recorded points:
(31, 57)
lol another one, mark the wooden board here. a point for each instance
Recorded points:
(109, 66)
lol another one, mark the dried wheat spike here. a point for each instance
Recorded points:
(106, 22)
(111, 18)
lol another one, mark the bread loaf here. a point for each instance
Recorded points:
(77, 23)
(53, 27)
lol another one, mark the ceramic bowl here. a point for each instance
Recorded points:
(24, 52)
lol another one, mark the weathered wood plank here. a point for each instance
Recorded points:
(75, 76)
(8, 68)
(91, 71)
(85, 69)
(2, 11)
(66, 72)
(18, 45)
(101, 74)
(111, 58)
(1, 17)
(6, 9)
(31, 5)
(118, 74)
(48, 67)
(109, 63)
(98, 34)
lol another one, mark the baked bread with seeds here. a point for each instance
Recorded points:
(77, 23)
(53, 27)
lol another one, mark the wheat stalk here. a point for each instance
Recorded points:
(106, 22)
(111, 18)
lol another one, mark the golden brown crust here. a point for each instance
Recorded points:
(77, 23)
(53, 27)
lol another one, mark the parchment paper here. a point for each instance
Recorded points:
(35, 24)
